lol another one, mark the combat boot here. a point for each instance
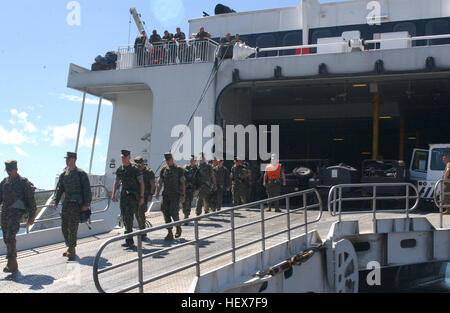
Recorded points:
(178, 233)
(277, 210)
(12, 266)
(268, 209)
(169, 236)
(71, 255)
(66, 254)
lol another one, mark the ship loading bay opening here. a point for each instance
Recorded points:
(342, 120)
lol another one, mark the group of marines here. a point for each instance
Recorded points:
(207, 181)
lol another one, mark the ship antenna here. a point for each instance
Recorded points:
(129, 30)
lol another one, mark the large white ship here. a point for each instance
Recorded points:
(344, 82)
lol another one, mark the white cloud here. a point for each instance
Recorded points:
(12, 122)
(14, 112)
(29, 127)
(79, 99)
(13, 137)
(67, 135)
(20, 151)
(23, 116)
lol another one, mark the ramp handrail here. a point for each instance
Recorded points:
(439, 203)
(198, 261)
(97, 199)
(335, 198)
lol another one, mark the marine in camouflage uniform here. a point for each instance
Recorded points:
(74, 184)
(189, 172)
(239, 179)
(223, 183)
(172, 177)
(149, 189)
(17, 197)
(132, 194)
(206, 182)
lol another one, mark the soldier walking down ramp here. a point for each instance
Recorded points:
(17, 197)
(172, 177)
(272, 181)
(239, 178)
(206, 184)
(223, 183)
(149, 189)
(74, 184)
(132, 195)
(189, 172)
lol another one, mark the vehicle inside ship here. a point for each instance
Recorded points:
(333, 119)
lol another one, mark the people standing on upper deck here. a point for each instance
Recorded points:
(179, 35)
(226, 50)
(74, 184)
(167, 36)
(17, 197)
(202, 34)
(170, 48)
(139, 48)
(155, 37)
(236, 40)
(446, 185)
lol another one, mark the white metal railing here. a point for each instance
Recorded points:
(167, 53)
(354, 43)
(444, 198)
(99, 193)
(196, 243)
(337, 196)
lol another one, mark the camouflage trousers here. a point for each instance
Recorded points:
(203, 200)
(70, 220)
(170, 208)
(239, 194)
(218, 198)
(140, 214)
(188, 202)
(273, 190)
(128, 208)
(10, 227)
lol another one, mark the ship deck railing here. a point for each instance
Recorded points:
(307, 200)
(99, 193)
(167, 53)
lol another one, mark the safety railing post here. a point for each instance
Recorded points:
(233, 239)
(140, 265)
(263, 233)
(305, 210)
(197, 249)
(374, 208)
(407, 208)
(288, 216)
(340, 204)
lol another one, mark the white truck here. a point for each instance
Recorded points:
(427, 168)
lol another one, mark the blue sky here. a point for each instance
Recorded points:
(38, 114)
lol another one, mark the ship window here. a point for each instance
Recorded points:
(409, 27)
(266, 41)
(291, 39)
(439, 27)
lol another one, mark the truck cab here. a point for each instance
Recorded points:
(427, 168)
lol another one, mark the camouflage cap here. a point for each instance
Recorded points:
(125, 153)
(168, 156)
(10, 165)
(71, 155)
(193, 157)
(139, 159)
